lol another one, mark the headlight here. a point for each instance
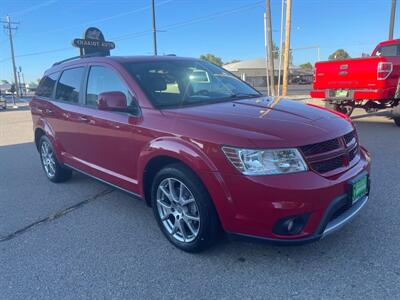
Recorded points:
(265, 162)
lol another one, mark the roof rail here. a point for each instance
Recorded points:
(77, 57)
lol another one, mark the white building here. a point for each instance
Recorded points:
(254, 72)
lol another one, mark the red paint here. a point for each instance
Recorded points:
(359, 76)
(116, 147)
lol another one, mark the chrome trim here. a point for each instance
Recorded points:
(344, 218)
(105, 182)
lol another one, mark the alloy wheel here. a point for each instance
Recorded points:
(48, 160)
(178, 210)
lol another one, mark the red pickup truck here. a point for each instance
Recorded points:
(371, 83)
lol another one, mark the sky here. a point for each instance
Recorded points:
(230, 29)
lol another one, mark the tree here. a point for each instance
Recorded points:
(306, 66)
(275, 50)
(339, 54)
(212, 58)
(232, 61)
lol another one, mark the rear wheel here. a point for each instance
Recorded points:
(342, 108)
(183, 209)
(396, 114)
(54, 171)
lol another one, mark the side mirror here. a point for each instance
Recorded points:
(112, 101)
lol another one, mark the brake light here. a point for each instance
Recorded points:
(384, 70)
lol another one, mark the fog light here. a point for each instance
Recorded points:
(290, 225)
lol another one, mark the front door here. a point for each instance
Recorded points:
(107, 148)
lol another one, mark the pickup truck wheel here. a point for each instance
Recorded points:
(344, 109)
(54, 171)
(183, 209)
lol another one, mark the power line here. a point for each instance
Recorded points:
(33, 8)
(104, 19)
(192, 21)
(167, 27)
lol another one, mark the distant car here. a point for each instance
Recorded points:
(203, 148)
(3, 102)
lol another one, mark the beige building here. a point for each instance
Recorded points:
(254, 72)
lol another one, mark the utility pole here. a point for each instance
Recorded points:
(23, 81)
(9, 28)
(286, 54)
(270, 48)
(266, 53)
(19, 83)
(392, 17)
(153, 9)
(280, 49)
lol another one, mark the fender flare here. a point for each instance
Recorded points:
(48, 130)
(173, 147)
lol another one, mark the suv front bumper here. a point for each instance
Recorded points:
(249, 207)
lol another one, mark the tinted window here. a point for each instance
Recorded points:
(389, 50)
(101, 80)
(46, 86)
(69, 85)
(175, 83)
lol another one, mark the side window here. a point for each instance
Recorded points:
(69, 85)
(101, 80)
(46, 85)
(389, 50)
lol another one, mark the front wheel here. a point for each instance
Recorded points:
(183, 209)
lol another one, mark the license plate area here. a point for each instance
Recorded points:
(358, 188)
(341, 93)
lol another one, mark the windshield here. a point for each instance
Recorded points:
(177, 83)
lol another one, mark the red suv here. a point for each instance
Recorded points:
(204, 149)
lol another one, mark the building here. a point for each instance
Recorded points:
(254, 72)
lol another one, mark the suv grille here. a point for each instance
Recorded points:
(332, 156)
(320, 147)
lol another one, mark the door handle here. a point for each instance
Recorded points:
(84, 119)
(48, 111)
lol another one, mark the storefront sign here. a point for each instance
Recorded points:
(93, 42)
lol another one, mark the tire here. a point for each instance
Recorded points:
(54, 171)
(397, 121)
(344, 109)
(177, 220)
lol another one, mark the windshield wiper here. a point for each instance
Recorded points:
(244, 95)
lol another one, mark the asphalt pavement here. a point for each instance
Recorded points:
(82, 239)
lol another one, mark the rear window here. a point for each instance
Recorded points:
(46, 85)
(388, 50)
(69, 85)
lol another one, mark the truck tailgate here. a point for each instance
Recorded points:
(347, 74)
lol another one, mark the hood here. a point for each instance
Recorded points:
(264, 122)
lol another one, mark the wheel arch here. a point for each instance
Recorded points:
(44, 128)
(162, 152)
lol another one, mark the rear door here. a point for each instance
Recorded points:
(107, 143)
(67, 107)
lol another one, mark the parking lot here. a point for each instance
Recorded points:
(84, 239)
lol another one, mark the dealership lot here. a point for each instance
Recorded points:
(84, 239)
